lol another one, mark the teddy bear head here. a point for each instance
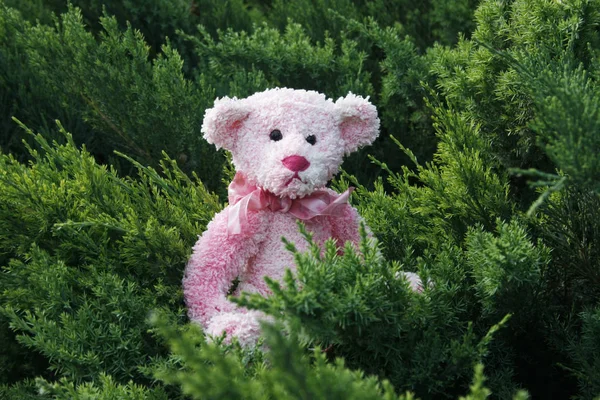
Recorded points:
(290, 142)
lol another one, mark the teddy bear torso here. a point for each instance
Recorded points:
(288, 143)
(271, 254)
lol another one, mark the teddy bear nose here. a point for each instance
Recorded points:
(296, 163)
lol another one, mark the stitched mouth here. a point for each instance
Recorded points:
(296, 176)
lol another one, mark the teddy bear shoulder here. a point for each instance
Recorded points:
(255, 228)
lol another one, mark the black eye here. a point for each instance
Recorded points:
(311, 139)
(276, 135)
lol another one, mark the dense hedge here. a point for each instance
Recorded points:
(485, 181)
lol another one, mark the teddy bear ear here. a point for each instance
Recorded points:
(359, 124)
(223, 121)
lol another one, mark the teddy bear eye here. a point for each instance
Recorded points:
(312, 139)
(276, 135)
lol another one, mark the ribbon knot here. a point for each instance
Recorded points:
(244, 197)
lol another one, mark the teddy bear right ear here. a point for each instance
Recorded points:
(359, 123)
(222, 122)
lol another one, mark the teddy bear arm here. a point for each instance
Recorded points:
(346, 227)
(218, 258)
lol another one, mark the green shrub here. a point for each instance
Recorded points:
(91, 254)
(585, 356)
(156, 20)
(491, 194)
(285, 59)
(490, 88)
(528, 82)
(352, 304)
(107, 92)
(99, 252)
(318, 17)
(425, 21)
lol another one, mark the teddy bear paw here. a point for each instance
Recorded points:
(243, 326)
(414, 281)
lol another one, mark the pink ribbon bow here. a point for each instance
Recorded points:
(244, 198)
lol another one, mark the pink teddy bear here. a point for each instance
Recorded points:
(286, 145)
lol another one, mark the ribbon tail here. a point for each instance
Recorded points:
(321, 203)
(335, 207)
(237, 215)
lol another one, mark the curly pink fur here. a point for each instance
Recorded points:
(313, 130)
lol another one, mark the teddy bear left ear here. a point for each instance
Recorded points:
(359, 124)
(222, 122)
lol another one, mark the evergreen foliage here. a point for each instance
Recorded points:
(540, 34)
(567, 119)
(485, 181)
(425, 21)
(110, 248)
(587, 361)
(156, 19)
(288, 59)
(106, 91)
(353, 303)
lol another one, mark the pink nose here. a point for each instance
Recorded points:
(296, 163)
